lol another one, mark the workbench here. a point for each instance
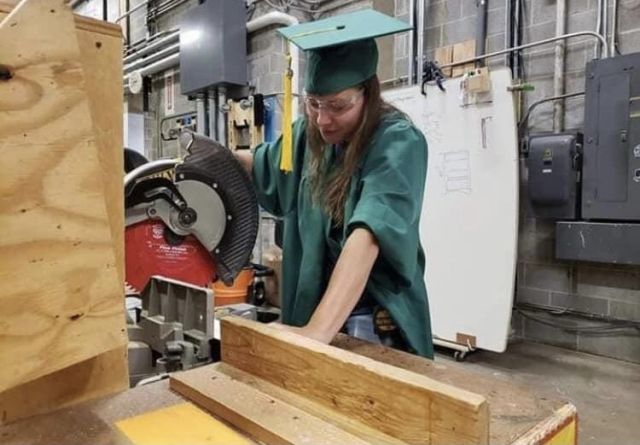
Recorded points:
(518, 416)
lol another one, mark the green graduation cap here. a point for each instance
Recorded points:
(342, 52)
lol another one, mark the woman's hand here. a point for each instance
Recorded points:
(305, 331)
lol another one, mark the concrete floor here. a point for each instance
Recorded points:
(605, 391)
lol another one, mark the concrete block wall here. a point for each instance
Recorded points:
(591, 289)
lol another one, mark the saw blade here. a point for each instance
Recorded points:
(149, 251)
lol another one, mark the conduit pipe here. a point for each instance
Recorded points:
(558, 78)
(166, 52)
(531, 45)
(174, 36)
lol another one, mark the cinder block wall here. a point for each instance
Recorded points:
(543, 282)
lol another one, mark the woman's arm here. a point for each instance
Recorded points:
(345, 287)
(245, 157)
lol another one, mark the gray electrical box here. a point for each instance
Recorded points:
(213, 46)
(554, 173)
(611, 169)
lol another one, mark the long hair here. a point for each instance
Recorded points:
(330, 186)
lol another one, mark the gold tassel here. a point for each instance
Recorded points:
(286, 156)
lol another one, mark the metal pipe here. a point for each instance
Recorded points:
(481, 29)
(280, 18)
(614, 29)
(558, 78)
(213, 113)
(420, 49)
(201, 112)
(516, 38)
(160, 65)
(530, 45)
(508, 32)
(605, 23)
(541, 101)
(412, 42)
(166, 52)
(132, 10)
(597, 49)
(164, 41)
(222, 118)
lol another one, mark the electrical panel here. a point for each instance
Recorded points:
(213, 46)
(611, 171)
(554, 174)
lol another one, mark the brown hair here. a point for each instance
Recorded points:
(329, 187)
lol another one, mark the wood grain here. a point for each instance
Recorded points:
(84, 23)
(260, 415)
(515, 409)
(462, 51)
(346, 423)
(61, 301)
(443, 56)
(399, 403)
(83, 381)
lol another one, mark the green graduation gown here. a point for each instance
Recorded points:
(385, 195)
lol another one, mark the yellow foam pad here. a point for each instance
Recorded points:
(181, 423)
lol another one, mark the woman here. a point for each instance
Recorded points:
(352, 258)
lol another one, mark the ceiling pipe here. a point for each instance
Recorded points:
(166, 52)
(164, 41)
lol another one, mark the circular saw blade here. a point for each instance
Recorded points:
(148, 253)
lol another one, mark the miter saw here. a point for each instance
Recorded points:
(194, 220)
(188, 223)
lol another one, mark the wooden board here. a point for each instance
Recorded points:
(515, 409)
(444, 56)
(462, 51)
(266, 418)
(404, 405)
(101, 49)
(86, 380)
(81, 22)
(56, 252)
(344, 422)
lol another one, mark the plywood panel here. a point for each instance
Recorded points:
(61, 299)
(399, 403)
(86, 380)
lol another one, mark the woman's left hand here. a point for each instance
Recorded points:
(305, 331)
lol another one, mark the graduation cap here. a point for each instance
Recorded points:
(341, 51)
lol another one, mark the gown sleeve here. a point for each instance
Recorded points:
(276, 190)
(392, 186)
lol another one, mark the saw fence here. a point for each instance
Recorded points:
(62, 330)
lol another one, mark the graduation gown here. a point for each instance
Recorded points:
(385, 196)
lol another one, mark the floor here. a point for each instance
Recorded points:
(605, 391)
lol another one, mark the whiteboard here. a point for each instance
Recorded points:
(469, 223)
